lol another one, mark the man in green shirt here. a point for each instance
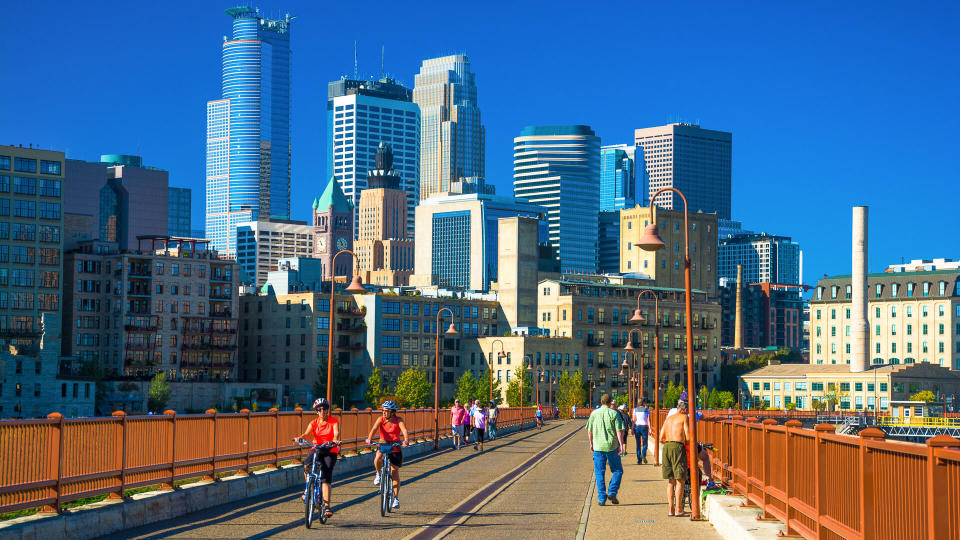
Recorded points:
(605, 432)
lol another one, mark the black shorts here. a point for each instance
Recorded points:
(479, 434)
(325, 462)
(395, 458)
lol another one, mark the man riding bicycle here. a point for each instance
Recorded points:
(392, 430)
(322, 429)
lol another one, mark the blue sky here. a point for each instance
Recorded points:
(830, 104)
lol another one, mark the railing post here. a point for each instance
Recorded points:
(820, 459)
(937, 485)
(868, 519)
(59, 418)
(276, 444)
(123, 453)
(246, 468)
(173, 447)
(788, 461)
(300, 426)
(213, 451)
(765, 465)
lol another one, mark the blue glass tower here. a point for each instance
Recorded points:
(248, 129)
(618, 178)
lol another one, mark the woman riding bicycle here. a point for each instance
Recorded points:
(324, 428)
(392, 430)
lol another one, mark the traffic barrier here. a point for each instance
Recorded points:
(48, 462)
(824, 485)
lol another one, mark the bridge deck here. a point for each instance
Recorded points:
(545, 499)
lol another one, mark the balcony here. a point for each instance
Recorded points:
(223, 278)
(225, 314)
(138, 346)
(223, 331)
(220, 296)
(215, 347)
(19, 333)
(351, 310)
(591, 342)
(201, 365)
(144, 328)
(352, 329)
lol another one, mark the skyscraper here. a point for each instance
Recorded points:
(383, 246)
(360, 116)
(451, 135)
(558, 167)
(248, 129)
(178, 211)
(621, 180)
(333, 231)
(765, 258)
(694, 160)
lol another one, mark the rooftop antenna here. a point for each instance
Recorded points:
(382, 52)
(354, 59)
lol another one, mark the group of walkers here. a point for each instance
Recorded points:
(480, 421)
(607, 432)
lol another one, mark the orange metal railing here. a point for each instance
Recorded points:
(45, 463)
(825, 485)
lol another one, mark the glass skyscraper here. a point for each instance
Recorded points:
(178, 211)
(248, 129)
(451, 136)
(558, 167)
(361, 115)
(621, 181)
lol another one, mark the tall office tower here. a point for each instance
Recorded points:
(248, 129)
(360, 116)
(262, 244)
(694, 160)
(178, 211)
(333, 231)
(31, 242)
(559, 167)
(383, 246)
(621, 179)
(765, 258)
(451, 135)
(608, 242)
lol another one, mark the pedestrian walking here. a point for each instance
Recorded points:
(627, 426)
(492, 421)
(573, 411)
(479, 425)
(466, 423)
(605, 433)
(457, 414)
(641, 429)
(539, 417)
(674, 436)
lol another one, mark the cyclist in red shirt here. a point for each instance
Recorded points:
(391, 430)
(323, 428)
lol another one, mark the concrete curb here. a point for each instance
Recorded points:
(734, 522)
(585, 514)
(111, 516)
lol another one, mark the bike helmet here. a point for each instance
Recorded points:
(321, 403)
(389, 405)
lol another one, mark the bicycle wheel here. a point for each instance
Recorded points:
(309, 502)
(385, 488)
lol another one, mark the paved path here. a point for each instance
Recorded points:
(526, 485)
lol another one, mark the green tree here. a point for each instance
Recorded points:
(672, 395)
(468, 387)
(702, 398)
(159, 392)
(570, 391)
(484, 382)
(343, 385)
(730, 373)
(375, 388)
(513, 388)
(725, 400)
(925, 396)
(413, 389)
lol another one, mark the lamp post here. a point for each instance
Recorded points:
(501, 355)
(451, 331)
(638, 318)
(537, 380)
(593, 386)
(651, 241)
(523, 375)
(355, 287)
(629, 373)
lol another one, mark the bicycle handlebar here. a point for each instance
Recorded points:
(322, 446)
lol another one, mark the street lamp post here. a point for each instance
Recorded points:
(451, 331)
(593, 386)
(501, 355)
(355, 287)
(651, 241)
(537, 380)
(638, 318)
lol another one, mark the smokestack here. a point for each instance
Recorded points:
(738, 323)
(860, 341)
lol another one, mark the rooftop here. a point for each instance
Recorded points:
(800, 370)
(541, 131)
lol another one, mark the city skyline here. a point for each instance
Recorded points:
(782, 155)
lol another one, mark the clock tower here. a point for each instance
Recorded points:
(333, 230)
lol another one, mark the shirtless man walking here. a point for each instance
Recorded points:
(673, 439)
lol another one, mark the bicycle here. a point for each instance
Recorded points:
(705, 482)
(386, 486)
(313, 490)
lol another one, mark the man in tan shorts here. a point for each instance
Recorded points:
(673, 438)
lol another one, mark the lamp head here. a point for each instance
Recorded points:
(651, 241)
(501, 354)
(638, 317)
(452, 330)
(629, 346)
(356, 286)
(624, 364)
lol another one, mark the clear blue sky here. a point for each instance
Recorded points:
(830, 104)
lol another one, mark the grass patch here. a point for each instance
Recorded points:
(83, 501)
(19, 513)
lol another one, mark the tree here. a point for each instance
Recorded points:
(513, 387)
(725, 400)
(483, 383)
(672, 395)
(159, 392)
(413, 389)
(468, 387)
(343, 385)
(375, 388)
(702, 396)
(925, 396)
(729, 374)
(570, 391)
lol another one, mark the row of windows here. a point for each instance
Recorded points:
(926, 288)
(29, 165)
